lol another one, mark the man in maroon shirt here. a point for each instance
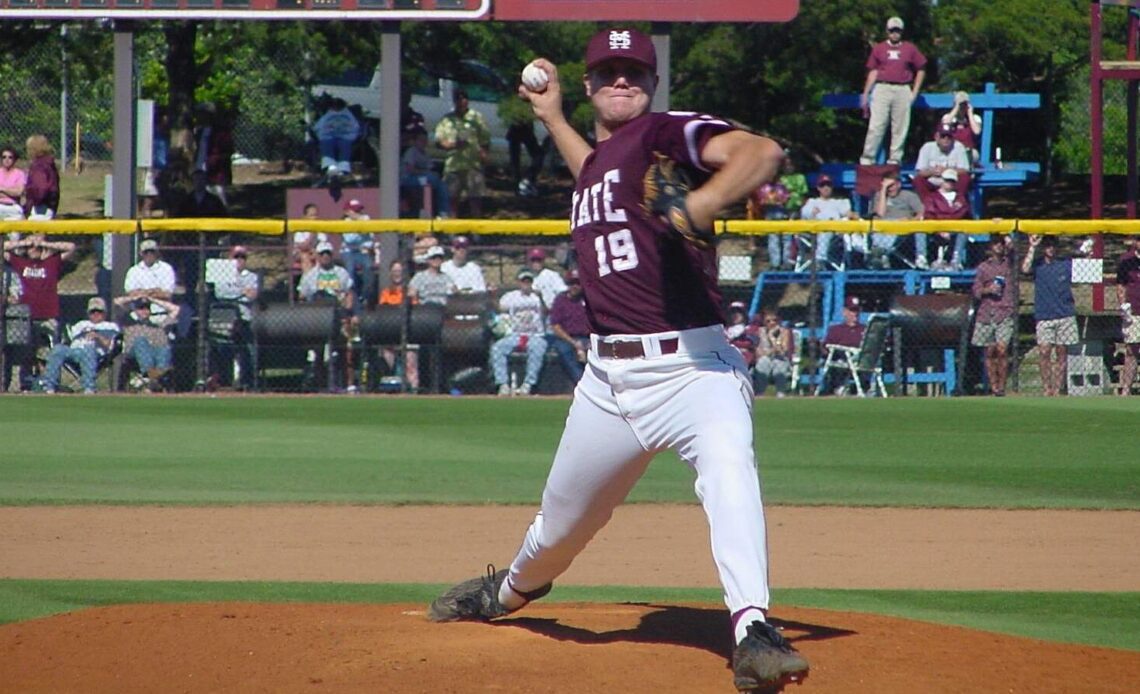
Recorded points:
(994, 320)
(661, 373)
(570, 327)
(39, 263)
(896, 70)
(1128, 297)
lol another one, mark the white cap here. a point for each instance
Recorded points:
(324, 247)
(435, 252)
(950, 175)
(895, 22)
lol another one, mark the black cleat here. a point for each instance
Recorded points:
(477, 599)
(764, 662)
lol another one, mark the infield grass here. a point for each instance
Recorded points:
(919, 452)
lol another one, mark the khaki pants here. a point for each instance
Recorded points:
(890, 105)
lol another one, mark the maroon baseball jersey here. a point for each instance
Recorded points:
(896, 64)
(638, 275)
(40, 280)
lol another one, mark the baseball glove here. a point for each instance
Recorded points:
(666, 187)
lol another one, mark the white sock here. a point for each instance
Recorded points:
(509, 598)
(751, 614)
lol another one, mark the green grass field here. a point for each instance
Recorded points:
(967, 452)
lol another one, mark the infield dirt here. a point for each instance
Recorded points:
(548, 647)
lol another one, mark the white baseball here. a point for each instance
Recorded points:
(534, 78)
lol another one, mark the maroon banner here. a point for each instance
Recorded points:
(647, 10)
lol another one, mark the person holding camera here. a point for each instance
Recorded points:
(994, 318)
(967, 125)
(774, 347)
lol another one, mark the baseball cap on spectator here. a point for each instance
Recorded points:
(852, 303)
(96, 304)
(630, 44)
(148, 245)
(572, 277)
(435, 252)
(823, 180)
(239, 252)
(945, 129)
(738, 306)
(950, 175)
(536, 254)
(354, 205)
(895, 23)
(324, 247)
(460, 242)
(525, 274)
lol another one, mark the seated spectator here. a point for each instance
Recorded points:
(241, 287)
(468, 276)
(848, 333)
(892, 203)
(337, 130)
(547, 282)
(13, 180)
(948, 249)
(775, 347)
(91, 339)
(967, 124)
(825, 207)
(523, 309)
(570, 328)
(327, 281)
(147, 342)
(393, 295)
(431, 285)
(357, 252)
(742, 333)
(153, 278)
(938, 155)
(417, 170)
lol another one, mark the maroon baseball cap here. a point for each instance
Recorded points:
(852, 303)
(630, 44)
(460, 242)
(823, 180)
(573, 278)
(945, 129)
(536, 254)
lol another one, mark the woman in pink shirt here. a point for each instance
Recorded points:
(12, 183)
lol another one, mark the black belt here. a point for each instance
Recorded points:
(633, 349)
(897, 84)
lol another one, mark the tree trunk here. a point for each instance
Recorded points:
(182, 76)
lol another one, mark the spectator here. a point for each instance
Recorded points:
(417, 170)
(769, 202)
(547, 282)
(775, 347)
(431, 285)
(327, 281)
(937, 155)
(895, 70)
(215, 139)
(1054, 309)
(147, 342)
(967, 125)
(393, 295)
(357, 252)
(201, 202)
(523, 308)
(848, 333)
(155, 180)
(994, 317)
(467, 274)
(241, 287)
(12, 184)
(91, 339)
(826, 207)
(39, 264)
(519, 135)
(464, 135)
(305, 242)
(150, 278)
(946, 203)
(41, 193)
(570, 328)
(411, 120)
(1128, 296)
(337, 131)
(742, 333)
(892, 203)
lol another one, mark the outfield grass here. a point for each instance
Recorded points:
(1098, 619)
(963, 452)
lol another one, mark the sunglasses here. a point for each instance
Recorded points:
(7, 156)
(894, 30)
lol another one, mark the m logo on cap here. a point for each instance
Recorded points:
(620, 40)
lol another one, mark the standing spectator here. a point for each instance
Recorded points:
(417, 170)
(464, 135)
(411, 120)
(994, 317)
(967, 125)
(519, 135)
(39, 265)
(241, 287)
(769, 202)
(215, 140)
(91, 339)
(356, 252)
(146, 341)
(12, 184)
(947, 202)
(570, 327)
(773, 355)
(431, 285)
(524, 314)
(823, 207)
(547, 282)
(41, 193)
(896, 70)
(1054, 309)
(155, 180)
(337, 131)
(467, 274)
(1128, 296)
(892, 203)
(305, 242)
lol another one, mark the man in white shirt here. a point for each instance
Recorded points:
(525, 314)
(241, 286)
(90, 339)
(467, 274)
(937, 155)
(150, 278)
(825, 207)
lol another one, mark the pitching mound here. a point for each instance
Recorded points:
(242, 647)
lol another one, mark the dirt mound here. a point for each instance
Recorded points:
(241, 647)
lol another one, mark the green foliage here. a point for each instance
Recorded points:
(1074, 144)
